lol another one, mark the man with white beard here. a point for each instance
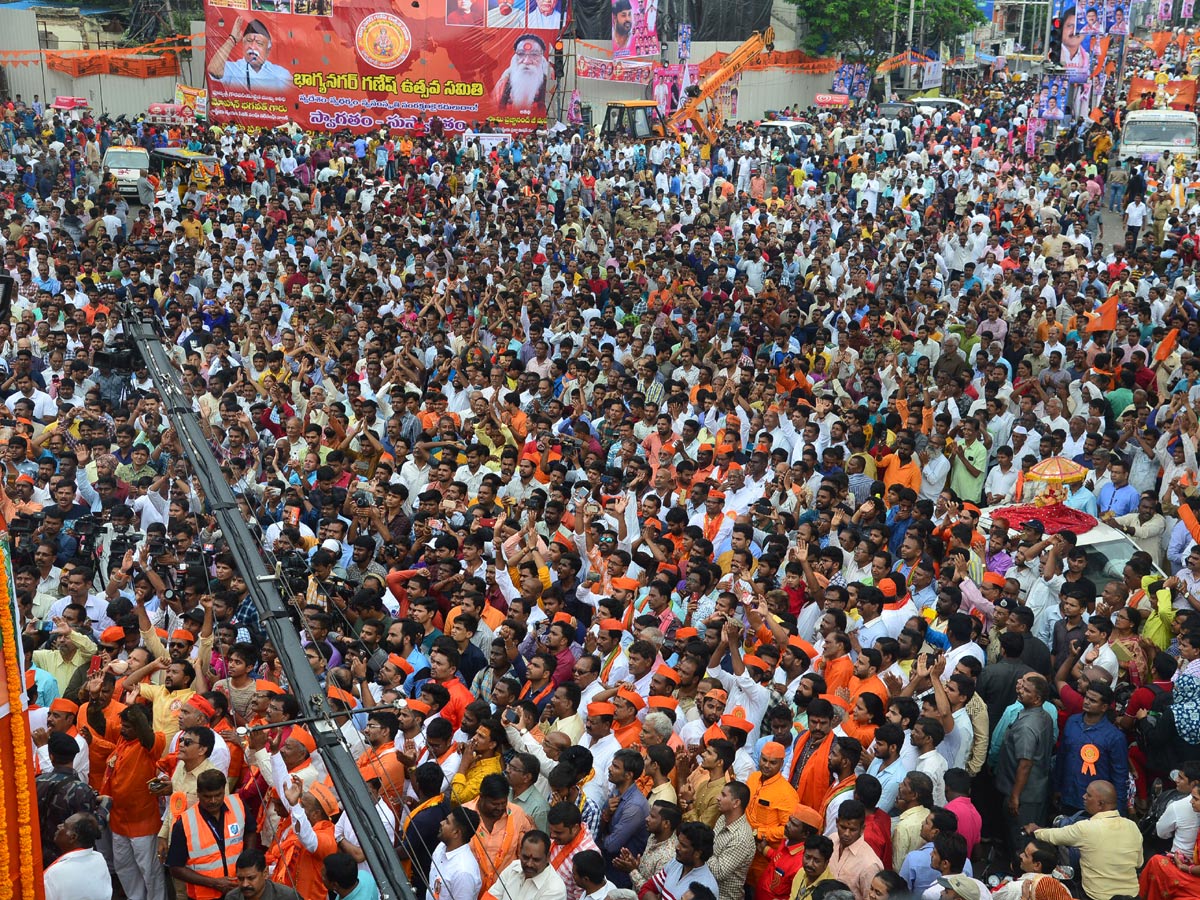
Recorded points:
(523, 84)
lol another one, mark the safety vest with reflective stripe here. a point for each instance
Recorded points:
(205, 856)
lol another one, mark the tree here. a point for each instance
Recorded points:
(862, 29)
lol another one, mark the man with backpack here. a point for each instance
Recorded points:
(60, 792)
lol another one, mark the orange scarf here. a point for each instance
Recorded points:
(1190, 522)
(813, 782)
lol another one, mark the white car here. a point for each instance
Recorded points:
(947, 105)
(789, 129)
(1107, 549)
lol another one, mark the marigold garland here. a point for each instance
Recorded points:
(20, 739)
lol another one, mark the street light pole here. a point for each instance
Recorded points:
(912, 14)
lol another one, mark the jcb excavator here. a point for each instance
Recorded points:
(642, 120)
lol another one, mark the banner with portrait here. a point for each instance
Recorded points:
(669, 83)
(634, 28)
(685, 42)
(1052, 97)
(1117, 17)
(1034, 130)
(1186, 8)
(625, 71)
(1166, 9)
(852, 79)
(365, 65)
(1091, 17)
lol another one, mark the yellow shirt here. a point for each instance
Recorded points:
(183, 782)
(59, 666)
(466, 787)
(166, 705)
(1110, 852)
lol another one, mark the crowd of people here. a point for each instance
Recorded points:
(658, 517)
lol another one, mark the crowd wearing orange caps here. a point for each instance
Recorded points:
(676, 503)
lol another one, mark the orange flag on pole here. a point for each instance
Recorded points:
(1167, 345)
(1105, 317)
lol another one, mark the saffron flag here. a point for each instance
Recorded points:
(1105, 317)
(1167, 345)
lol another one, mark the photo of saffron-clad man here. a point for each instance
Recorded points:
(523, 84)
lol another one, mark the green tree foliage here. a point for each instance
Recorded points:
(862, 29)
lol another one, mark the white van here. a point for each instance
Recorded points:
(127, 165)
(1149, 133)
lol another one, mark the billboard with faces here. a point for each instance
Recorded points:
(363, 66)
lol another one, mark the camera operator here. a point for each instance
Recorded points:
(78, 585)
(117, 535)
(322, 584)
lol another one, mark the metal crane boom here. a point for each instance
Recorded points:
(356, 802)
(707, 89)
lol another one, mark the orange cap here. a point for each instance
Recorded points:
(738, 722)
(182, 634)
(757, 661)
(419, 706)
(611, 625)
(800, 644)
(632, 697)
(336, 693)
(324, 795)
(657, 702)
(304, 739)
(625, 584)
(993, 578)
(268, 687)
(400, 663)
(773, 750)
(601, 709)
(64, 705)
(683, 634)
(668, 673)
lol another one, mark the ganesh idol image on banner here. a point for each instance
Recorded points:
(370, 64)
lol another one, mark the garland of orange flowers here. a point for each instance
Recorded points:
(12, 676)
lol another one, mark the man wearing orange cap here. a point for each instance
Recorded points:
(772, 801)
(614, 664)
(299, 862)
(714, 521)
(786, 859)
(61, 719)
(626, 728)
(294, 758)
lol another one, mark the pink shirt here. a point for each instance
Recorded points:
(970, 824)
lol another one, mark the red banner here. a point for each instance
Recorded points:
(364, 65)
(827, 100)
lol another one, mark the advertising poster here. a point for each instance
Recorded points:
(1166, 8)
(634, 28)
(931, 74)
(1186, 8)
(1091, 18)
(363, 65)
(1033, 135)
(1052, 98)
(192, 98)
(1076, 56)
(1118, 17)
(685, 42)
(630, 72)
(669, 83)
(852, 79)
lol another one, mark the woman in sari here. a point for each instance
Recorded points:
(1127, 624)
(865, 716)
(1173, 876)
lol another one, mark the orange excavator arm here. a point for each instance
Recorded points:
(692, 110)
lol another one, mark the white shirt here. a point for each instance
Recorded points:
(343, 830)
(219, 757)
(1179, 822)
(513, 885)
(934, 765)
(78, 875)
(454, 875)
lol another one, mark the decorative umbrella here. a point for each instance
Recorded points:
(1057, 470)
